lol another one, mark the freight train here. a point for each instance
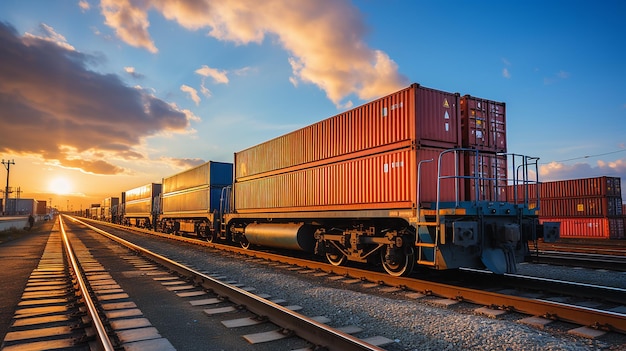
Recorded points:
(418, 177)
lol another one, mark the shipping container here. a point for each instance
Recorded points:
(593, 187)
(581, 207)
(386, 180)
(42, 208)
(21, 206)
(217, 174)
(589, 228)
(416, 116)
(197, 191)
(108, 206)
(483, 124)
(487, 177)
(142, 201)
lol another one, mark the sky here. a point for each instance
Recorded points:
(99, 97)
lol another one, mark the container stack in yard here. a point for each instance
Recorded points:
(588, 208)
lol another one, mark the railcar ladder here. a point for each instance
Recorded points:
(425, 244)
(225, 206)
(423, 239)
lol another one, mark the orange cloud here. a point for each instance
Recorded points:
(325, 39)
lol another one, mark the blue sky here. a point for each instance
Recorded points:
(215, 77)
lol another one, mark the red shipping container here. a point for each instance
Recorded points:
(413, 116)
(594, 187)
(605, 206)
(491, 171)
(483, 124)
(589, 228)
(383, 181)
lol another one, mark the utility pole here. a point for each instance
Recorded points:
(7, 164)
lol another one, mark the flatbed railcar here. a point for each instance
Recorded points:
(401, 181)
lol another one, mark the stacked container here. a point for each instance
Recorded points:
(483, 128)
(107, 208)
(142, 204)
(586, 208)
(196, 191)
(364, 158)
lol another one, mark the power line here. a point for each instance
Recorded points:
(588, 156)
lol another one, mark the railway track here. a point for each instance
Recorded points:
(57, 313)
(57, 309)
(546, 302)
(582, 259)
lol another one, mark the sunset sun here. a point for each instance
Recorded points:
(60, 186)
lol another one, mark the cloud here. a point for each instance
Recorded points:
(130, 22)
(560, 75)
(133, 73)
(193, 93)
(218, 76)
(559, 171)
(55, 108)
(325, 40)
(84, 5)
(505, 73)
(182, 163)
(47, 33)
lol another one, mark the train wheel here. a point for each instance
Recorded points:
(401, 264)
(336, 259)
(244, 243)
(210, 237)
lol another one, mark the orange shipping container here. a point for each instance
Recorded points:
(416, 116)
(589, 228)
(383, 181)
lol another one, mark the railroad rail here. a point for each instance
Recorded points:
(51, 312)
(582, 259)
(551, 310)
(290, 322)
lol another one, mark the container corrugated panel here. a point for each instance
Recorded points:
(139, 206)
(209, 173)
(483, 124)
(581, 207)
(143, 192)
(589, 228)
(381, 181)
(141, 200)
(490, 172)
(200, 200)
(594, 187)
(415, 115)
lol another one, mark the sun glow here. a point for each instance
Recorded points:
(60, 186)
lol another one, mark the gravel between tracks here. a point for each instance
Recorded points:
(413, 324)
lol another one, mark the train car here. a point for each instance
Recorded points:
(109, 209)
(190, 200)
(94, 211)
(141, 206)
(386, 183)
